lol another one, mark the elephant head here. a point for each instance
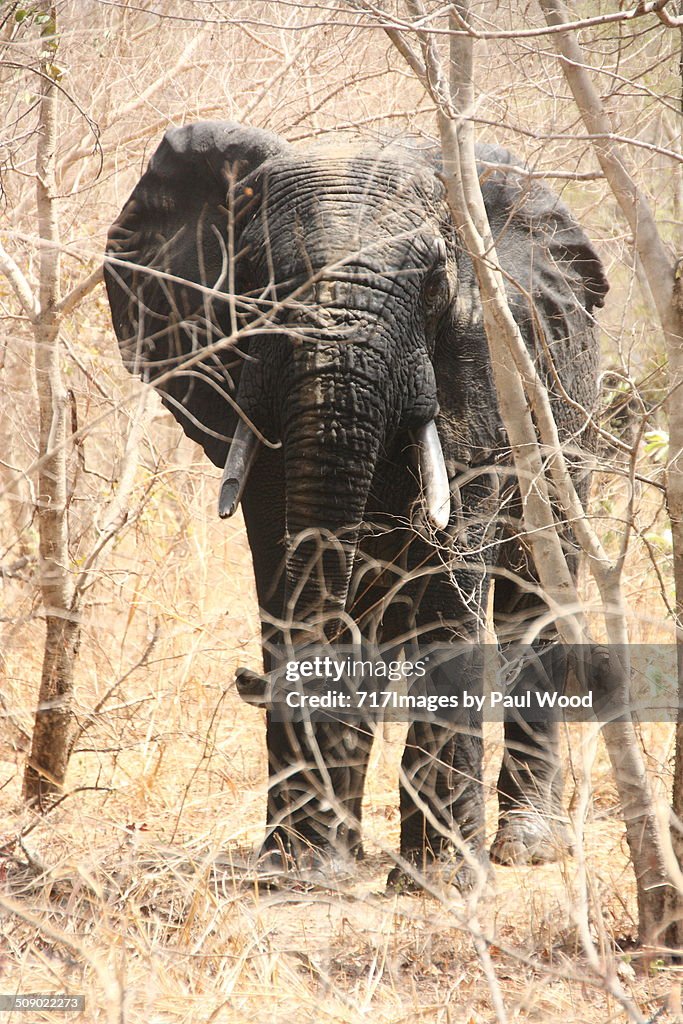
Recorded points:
(318, 301)
(312, 321)
(292, 298)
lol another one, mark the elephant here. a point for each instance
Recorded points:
(312, 319)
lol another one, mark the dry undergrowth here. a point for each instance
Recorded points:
(136, 890)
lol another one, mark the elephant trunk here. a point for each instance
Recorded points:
(331, 448)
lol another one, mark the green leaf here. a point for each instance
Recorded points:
(53, 71)
(656, 444)
(48, 23)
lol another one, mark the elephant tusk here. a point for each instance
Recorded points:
(243, 450)
(434, 475)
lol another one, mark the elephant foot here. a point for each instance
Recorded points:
(527, 837)
(307, 864)
(448, 873)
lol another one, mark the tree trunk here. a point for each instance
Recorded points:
(519, 390)
(674, 935)
(46, 768)
(53, 729)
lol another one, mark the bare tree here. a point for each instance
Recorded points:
(49, 752)
(68, 153)
(45, 308)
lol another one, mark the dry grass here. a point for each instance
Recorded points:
(139, 898)
(137, 892)
(140, 895)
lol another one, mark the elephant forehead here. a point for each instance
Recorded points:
(342, 192)
(362, 163)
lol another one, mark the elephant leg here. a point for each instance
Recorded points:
(530, 784)
(442, 804)
(441, 793)
(316, 771)
(316, 778)
(360, 740)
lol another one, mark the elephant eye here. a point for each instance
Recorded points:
(435, 289)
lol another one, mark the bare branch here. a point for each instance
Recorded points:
(459, 27)
(73, 298)
(117, 514)
(656, 261)
(22, 289)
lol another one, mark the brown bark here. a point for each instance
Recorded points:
(54, 724)
(49, 755)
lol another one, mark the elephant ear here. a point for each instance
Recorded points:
(555, 279)
(535, 233)
(170, 266)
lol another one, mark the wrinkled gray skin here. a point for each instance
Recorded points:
(363, 323)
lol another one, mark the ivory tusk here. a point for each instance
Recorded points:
(434, 475)
(243, 449)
